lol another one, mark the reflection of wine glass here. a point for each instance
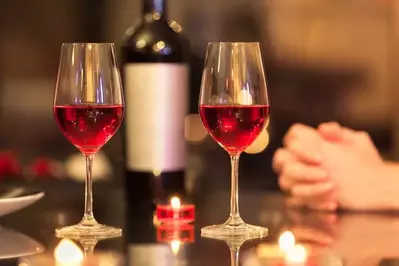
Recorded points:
(88, 107)
(234, 246)
(234, 108)
(88, 243)
(68, 252)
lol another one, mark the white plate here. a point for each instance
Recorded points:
(16, 198)
(14, 244)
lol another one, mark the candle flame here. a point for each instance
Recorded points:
(175, 202)
(175, 246)
(286, 241)
(67, 252)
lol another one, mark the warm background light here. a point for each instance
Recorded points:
(75, 167)
(194, 131)
(259, 144)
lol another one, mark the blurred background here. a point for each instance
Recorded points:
(325, 60)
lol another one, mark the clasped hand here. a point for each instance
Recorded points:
(331, 167)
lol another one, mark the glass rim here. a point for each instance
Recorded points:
(88, 43)
(233, 43)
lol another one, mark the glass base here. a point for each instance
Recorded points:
(241, 230)
(97, 231)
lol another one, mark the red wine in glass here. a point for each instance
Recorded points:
(88, 107)
(234, 127)
(89, 127)
(234, 108)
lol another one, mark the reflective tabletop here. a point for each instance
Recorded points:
(296, 237)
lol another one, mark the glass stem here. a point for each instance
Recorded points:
(234, 218)
(88, 246)
(88, 218)
(234, 257)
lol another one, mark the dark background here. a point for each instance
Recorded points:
(325, 60)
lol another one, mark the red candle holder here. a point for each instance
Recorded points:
(175, 211)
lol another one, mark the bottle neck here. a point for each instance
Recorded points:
(155, 6)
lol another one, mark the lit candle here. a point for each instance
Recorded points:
(67, 253)
(286, 241)
(175, 211)
(286, 253)
(296, 256)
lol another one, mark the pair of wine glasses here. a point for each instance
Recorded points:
(89, 108)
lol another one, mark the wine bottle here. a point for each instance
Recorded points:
(155, 74)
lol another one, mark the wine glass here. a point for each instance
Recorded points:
(88, 108)
(234, 108)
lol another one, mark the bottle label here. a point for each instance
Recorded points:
(156, 97)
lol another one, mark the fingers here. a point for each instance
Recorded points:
(304, 142)
(331, 131)
(322, 205)
(312, 190)
(305, 152)
(325, 202)
(301, 172)
(284, 162)
(295, 202)
(361, 137)
(296, 173)
(299, 167)
(280, 158)
(330, 205)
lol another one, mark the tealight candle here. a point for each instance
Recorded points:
(175, 211)
(67, 253)
(286, 253)
(296, 256)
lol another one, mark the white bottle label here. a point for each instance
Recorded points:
(156, 105)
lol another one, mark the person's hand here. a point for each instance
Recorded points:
(354, 164)
(299, 165)
(319, 173)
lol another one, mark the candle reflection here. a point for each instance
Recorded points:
(175, 246)
(177, 236)
(170, 233)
